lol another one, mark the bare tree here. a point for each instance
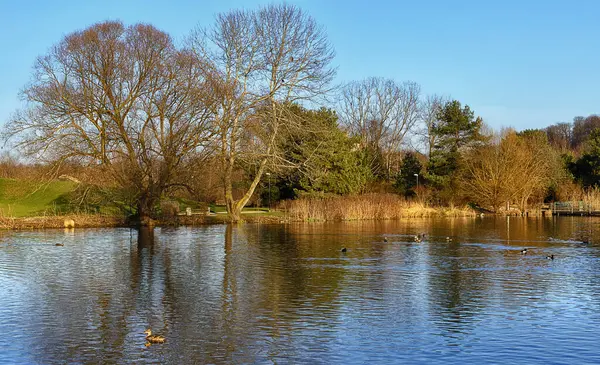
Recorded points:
(262, 61)
(120, 98)
(582, 128)
(518, 168)
(560, 135)
(429, 109)
(535, 167)
(381, 112)
(488, 171)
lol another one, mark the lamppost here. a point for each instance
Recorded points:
(417, 175)
(269, 176)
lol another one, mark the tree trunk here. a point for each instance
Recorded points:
(232, 208)
(235, 213)
(145, 210)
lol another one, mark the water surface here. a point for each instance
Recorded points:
(287, 294)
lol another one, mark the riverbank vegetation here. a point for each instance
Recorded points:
(245, 112)
(365, 207)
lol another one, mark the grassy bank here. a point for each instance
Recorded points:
(28, 205)
(366, 207)
(22, 198)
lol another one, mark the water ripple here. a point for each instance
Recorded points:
(264, 294)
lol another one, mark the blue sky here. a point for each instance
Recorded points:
(525, 64)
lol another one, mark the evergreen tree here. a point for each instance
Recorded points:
(329, 160)
(406, 180)
(457, 128)
(587, 168)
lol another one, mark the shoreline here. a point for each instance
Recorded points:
(91, 221)
(100, 221)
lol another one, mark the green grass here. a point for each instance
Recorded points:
(21, 198)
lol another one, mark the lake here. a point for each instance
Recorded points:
(273, 294)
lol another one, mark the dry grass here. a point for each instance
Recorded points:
(590, 196)
(365, 207)
(81, 221)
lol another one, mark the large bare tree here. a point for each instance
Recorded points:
(122, 98)
(262, 61)
(381, 112)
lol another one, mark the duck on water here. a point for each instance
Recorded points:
(153, 338)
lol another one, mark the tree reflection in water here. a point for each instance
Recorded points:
(271, 293)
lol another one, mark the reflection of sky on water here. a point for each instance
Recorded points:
(275, 293)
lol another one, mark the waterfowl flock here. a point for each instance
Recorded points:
(525, 251)
(418, 238)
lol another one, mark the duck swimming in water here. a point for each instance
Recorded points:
(344, 249)
(551, 257)
(385, 239)
(524, 251)
(418, 238)
(153, 338)
(448, 239)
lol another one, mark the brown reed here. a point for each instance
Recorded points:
(365, 207)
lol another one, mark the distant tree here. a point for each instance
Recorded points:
(406, 180)
(582, 129)
(537, 167)
(457, 129)
(328, 160)
(381, 112)
(429, 110)
(520, 167)
(122, 99)
(484, 176)
(560, 135)
(586, 169)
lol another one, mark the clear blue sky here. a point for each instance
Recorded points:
(525, 64)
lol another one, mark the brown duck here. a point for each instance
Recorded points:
(153, 338)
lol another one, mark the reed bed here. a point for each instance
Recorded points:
(589, 196)
(365, 207)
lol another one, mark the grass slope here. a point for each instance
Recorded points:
(21, 198)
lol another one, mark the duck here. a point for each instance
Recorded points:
(344, 249)
(153, 338)
(418, 238)
(448, 239)
(551, 257)
(524, 251)
(385, 239)
(59, 244)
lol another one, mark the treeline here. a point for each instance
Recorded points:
(245, 111)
